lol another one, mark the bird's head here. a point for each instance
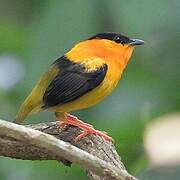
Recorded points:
(114, 45)
(109, 46)
(117, 38)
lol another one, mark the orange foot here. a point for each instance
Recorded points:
(87, 128)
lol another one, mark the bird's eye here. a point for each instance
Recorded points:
(118, 39)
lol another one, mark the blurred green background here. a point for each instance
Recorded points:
(34, 33)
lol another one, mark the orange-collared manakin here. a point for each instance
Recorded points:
(81, 78)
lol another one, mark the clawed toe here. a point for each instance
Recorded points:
(87, 128)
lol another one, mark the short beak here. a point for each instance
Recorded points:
(135, 42)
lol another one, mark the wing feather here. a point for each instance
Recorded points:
(72, 82)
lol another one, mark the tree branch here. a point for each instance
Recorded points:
(47, 141)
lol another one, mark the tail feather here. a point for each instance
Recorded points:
(31, 105)
(24, 112)
(34, 101)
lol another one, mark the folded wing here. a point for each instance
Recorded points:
(73, 81)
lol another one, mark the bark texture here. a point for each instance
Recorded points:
(47, 141)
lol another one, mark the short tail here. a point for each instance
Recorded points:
(34, 102)
(21, 115)
(24, 113)
(26, 110)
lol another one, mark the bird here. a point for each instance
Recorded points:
(80, 78)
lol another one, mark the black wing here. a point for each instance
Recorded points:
(72, 82)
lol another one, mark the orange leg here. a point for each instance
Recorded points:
(87, 128)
